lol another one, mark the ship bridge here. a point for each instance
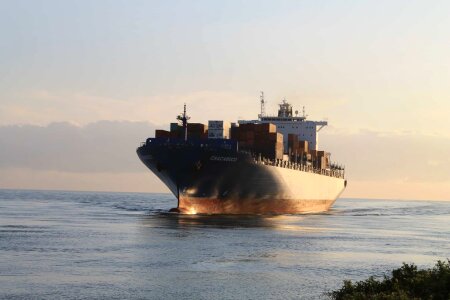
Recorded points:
(288, 123)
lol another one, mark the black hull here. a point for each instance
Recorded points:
(218, 179)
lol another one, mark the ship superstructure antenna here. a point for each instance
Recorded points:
(263, 105)
(304, 112)
(183, 118)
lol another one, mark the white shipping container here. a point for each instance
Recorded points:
(219, 133)
(219, 124)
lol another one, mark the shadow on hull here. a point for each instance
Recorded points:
(210, 180)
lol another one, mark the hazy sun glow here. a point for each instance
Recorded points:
(94, 80)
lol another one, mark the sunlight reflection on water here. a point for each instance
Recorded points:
(106, 245)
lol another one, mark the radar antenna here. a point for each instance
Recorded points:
(183, 118)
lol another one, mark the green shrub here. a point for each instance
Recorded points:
(407, 282)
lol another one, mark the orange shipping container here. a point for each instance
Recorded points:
(275, 136)
(162, 133)
(197, 127)
(247, 127)
(266, 127)
(293, 137)
(303, 145)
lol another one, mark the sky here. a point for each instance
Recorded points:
(82, 83)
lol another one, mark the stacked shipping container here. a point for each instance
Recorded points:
(297, 146)
(298, 150)
(195, 130)
(159, 133)
(261, 139)
(219, 129)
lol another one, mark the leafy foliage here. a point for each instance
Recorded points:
(407, 282)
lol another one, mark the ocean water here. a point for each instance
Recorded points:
(72, 245)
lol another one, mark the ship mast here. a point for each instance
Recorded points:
(263, 108)
(183, 118)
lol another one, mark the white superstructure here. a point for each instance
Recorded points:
(287, 123)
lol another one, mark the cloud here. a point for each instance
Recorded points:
(109, 146)
(20, 178)
(382, 156)
(43, 107)
(104, 146)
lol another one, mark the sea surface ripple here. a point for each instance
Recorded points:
(85, 245)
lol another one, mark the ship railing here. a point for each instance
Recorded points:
(172, 143)
(303, 167)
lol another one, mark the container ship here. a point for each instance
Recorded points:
(270, 165)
